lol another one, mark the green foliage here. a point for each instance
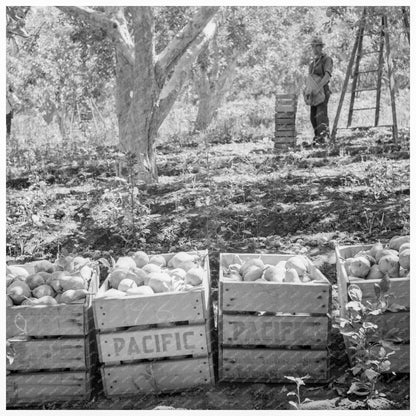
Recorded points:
(299, 382)
(54, 73)
(168, 22)
(369, 352)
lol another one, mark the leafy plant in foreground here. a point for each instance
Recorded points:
(299, 382)
(369, 356)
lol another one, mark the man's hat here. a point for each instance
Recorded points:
(317, 40)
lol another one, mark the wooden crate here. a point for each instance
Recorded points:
(285, 120)
(269, 330)
(55, 357)
(397, 323)
(155, 343)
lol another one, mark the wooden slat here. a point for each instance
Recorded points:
(400, 360)
(143, 310)
(208, 307)
(285, 127)
(285, 120)
(387, 321)
(207, 304)
(283, 96)
(285, 141)
(155, 309)
(285, 134)
(153, 343)
(272, 365)
(308, 297)
(285, 124)
(390, 77)
(400, 287)
(276, 297)
(274, 330)
(345, 252)
(51, 320)
(291, 128)
(347, 75)
(286, 111)
(45, 387)
(392, 324)
(156, 376)
(48, 354)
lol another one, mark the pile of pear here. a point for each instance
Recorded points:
(392, 260)
(141, 274)
(296, 269)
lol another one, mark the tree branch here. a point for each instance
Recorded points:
(178, 45)
(171, 90)
(115, 26)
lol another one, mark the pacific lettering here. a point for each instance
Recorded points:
(157, 343)
(139, 344)
(165, 341)
(266, 326)
(178, 341)
(133, 347)
(145, 347)
(118, 345)
(185, 340)
(269, 331)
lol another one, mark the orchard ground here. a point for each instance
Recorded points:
(224, 196)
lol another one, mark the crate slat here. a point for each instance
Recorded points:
(153, 343)
(285, 134)
(291, 96)
(270, 365)
(400, 286)
(276, 297)
(48, 354)
(399, 322)
(285, 142)
(285, 113)
(285, 107)
(290, 121)
(274, 330)
(312, 297)
(400, 360)
(45, 386)
(145, 310)
(51, 320)
(291, 128)
(151, 377)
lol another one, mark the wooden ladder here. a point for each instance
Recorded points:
(361, 78)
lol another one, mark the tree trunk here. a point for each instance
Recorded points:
(137, 93)
(206, 104)
(211, 94)
(147, 85)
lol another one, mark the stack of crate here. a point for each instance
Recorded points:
(155, 343)
(389, 324)
(285, 121)
(54, 352)
(269, 330)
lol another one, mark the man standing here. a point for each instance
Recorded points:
(12, 103)
(320, 69)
